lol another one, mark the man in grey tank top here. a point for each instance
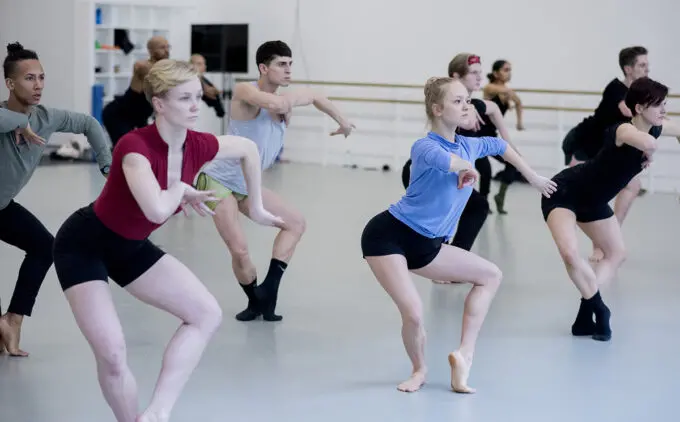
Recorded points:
(260, 113)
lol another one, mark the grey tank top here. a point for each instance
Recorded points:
(267, 132)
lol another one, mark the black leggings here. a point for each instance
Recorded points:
(483, 166)
(506, 176)
(21, 229)
(471, 220)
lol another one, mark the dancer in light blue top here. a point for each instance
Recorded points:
(261, 114)
(422, 207)
(409, 235)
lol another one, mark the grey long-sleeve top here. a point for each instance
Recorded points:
(18, 162)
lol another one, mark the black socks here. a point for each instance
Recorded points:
(584, 325)
(252, 311)
(271, 282)
(262, 299)
(270, 289)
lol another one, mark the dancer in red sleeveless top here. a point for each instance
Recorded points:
(150, 180)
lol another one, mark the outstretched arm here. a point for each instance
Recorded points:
(274, 103)
(72, 122)
(544, 185)
(496, 146)
(11, 120)
(304, 96)
(513, 157)
(433, 155)
(496, 118)
(491, 90)
(156, 204)
(237, 147)
(670, 128)
(626, 133)
(231, 147)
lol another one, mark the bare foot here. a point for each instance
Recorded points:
(9, 337)
(460, 371)
(445, 282)
(414, 383)
(597, 255)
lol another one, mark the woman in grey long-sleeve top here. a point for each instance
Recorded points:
(24, 128)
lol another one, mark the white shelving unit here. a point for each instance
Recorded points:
(112, 67)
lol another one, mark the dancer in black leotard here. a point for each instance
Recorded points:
(584, 192)
(499, 93)
(584, 141)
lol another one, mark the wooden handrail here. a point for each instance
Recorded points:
(414, 86)
(415, 102)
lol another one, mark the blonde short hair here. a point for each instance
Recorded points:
(166, 74)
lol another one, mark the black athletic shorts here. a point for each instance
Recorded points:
(86, 250)
(385, 235)
(567, 197)
(571, 148)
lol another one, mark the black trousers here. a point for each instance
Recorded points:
(483, 166)
(21, 229)
(471, 220)
(507, 175)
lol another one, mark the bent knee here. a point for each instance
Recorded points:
(570, 256)
(617, 255)
(42, 247)
(112, 360)
(634, 186)
(239, 253)
(493, 275)
(413, 316)
(209, 317)
(296, 223)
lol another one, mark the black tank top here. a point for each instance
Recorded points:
(487, 129)
(501, 105)
(601, 178)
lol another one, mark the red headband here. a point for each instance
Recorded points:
(473, 59)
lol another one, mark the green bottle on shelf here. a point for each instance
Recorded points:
(97, 45)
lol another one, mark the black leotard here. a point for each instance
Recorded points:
(588, 187)
(487, 128)
(584, 140)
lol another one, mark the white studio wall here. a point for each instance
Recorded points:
(64, 35)
(552, 45)
(51, 33)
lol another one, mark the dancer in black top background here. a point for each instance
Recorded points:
(583, 195)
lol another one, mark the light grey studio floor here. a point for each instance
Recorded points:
(337, 355)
